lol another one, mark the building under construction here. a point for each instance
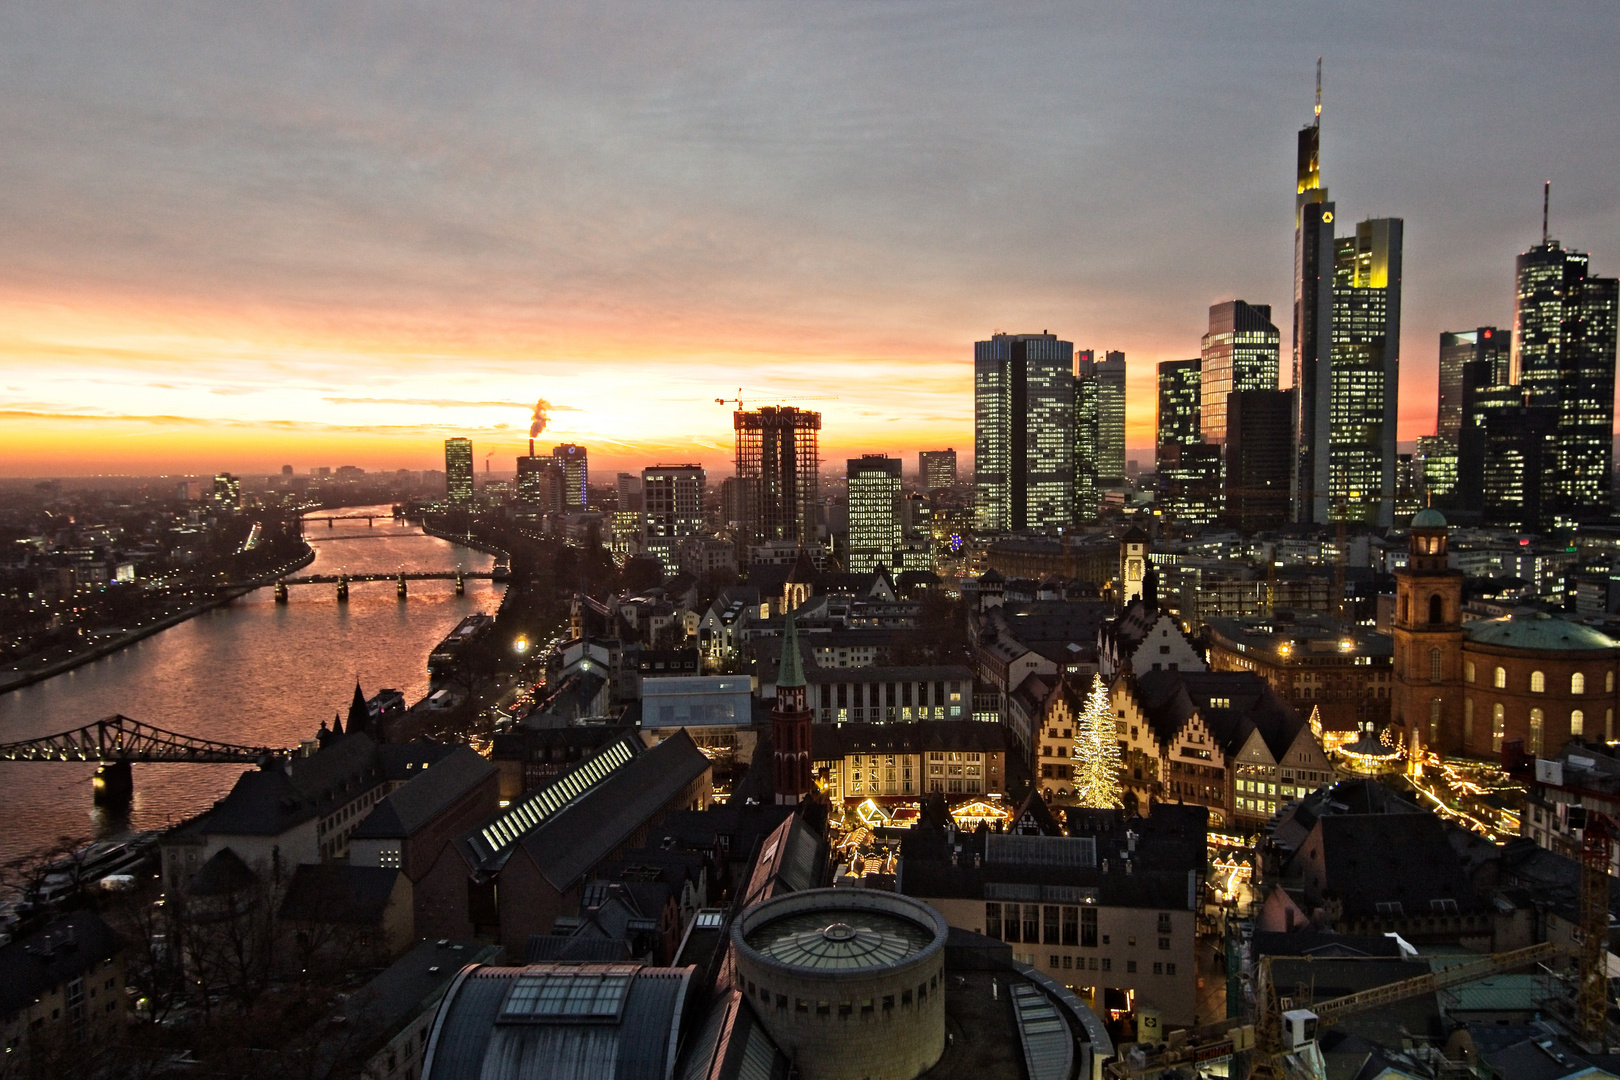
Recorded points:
(778, 469)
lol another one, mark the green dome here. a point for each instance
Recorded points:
(1428, 519)
(1539, 633)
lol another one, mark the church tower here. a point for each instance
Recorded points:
(1427, 693)
(790, 723)
(1133, 547)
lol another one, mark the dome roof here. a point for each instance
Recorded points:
(1428, 519)
(823, 939)
(1539, 633)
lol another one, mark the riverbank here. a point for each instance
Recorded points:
(30, 676)
(464, 540)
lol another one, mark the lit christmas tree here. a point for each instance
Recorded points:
(1096, 751)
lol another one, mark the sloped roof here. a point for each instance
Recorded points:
(1169, 698)
(1370, 859)
(221, 875)
(339, 893)
(65, 948)
(428, 793)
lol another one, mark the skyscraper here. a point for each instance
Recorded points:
(1564, 357)
(778, 473)
(1085, 497)
(938, 468)
(576, 471)
(539, 484)
(458, 472)
(874, 511)
(1347, 319)
(1240, 352)
(1457, 349)
(1258, 439)
(1023, 431)
(1111, 419)
(1178, 421)
(1189, 472)
(672, 509)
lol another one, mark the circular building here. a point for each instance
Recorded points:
(1539, 678)
(849, 982)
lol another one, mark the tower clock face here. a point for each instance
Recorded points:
(1134, 571)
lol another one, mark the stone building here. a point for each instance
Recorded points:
(1340, 670)
(902, 762)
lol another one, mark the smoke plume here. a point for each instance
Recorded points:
(539, 423)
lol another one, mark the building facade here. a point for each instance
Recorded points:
(778, 474)
(1259, 447)
(960, 759)
(1365, 373)
(1110, 376)
(458, 472)
(1239, 352)
(937, 469)
(1023, 431)
(874, 512)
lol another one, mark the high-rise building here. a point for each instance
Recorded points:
(458, 472)
(1085, 495)
(576, 470)
(1458, 349)
(874, 511)
(1519, 466)
(1240, 352)
(1023, 430)
(1259, 437)
(1178, 419)
(227, 493)
(1564, 357)
(1436, 469)
(1486, 393)
(1347, 319)
(1189, 471)
(778, 474)
(629, 491)
(1110, 374)
(672, 510)
(937, 468)
(539, 484)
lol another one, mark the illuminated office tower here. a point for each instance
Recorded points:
(1258, 438)
(1313, 324)
(539, 484)
(778, 474)
(1564, 358)
(576, 470)
(1189, 470)
(1457, 350)
(671, 510)
(1085, 497)
(1179, 403)
(1023, 431)
(1110, 374)
(1366, 368)
(458, 472)
(1240, 352)
(937, 468)
(874, 511)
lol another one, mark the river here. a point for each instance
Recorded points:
(253, 672)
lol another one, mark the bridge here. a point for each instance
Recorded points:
(120, 739)
(408, 575)
(369, 519)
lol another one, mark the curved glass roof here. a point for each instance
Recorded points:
(1541, 632)
(842, 940)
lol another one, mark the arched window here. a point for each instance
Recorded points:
(1468, 671)
(1577, 723)
(1538, 682)
(1608, 682)
(1403, 609)
(1577, 683)
(1434, 721)
(1501, 678)
(1468, 721)
(1437, 609)
(1435, 665)
(1498, 725)
(1538, 721)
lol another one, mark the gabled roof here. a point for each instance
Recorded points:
(223, 874)
(1372, 859)
(339, 893)
(1232, 704)
(427, 794)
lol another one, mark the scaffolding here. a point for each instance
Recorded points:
(778, 469)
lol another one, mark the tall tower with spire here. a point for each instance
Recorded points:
(1313, 322)
(790, 723)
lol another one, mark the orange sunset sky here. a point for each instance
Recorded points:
(317, 235)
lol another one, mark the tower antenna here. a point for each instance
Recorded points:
(1546, 194)
(1318, 91)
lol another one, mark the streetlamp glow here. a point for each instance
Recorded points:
(521, 645)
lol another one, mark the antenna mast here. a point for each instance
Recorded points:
(1546, 194)
(1319, 91)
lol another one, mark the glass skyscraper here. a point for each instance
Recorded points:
(575, 464)
(458, 472)
(1085, 495)
(1110, 373)
(1241, 351)
(874, 512)
(1023, 431)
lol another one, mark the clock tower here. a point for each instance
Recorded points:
(1133, 548)
(1427, 692)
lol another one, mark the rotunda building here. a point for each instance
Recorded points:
(1538, 678)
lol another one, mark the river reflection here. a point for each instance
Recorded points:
(254, 672)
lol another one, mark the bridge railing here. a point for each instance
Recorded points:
(118, 738)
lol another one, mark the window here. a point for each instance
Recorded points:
(1158, 967)
(1169, 969)
(1577, 722)
(1071, 926)
(1468, 720)
(1577, 683)
(1088, 928)
(1164, 922)
(1500, 681)
(1437, 609)
(1164, 943)
(1032, 923)
(1468, 671)
(1130, 967)
(1538, 683)
(1434, 721)
(1537, 724)
(1436, 664)
(992, 920)
(1108, 964)
(1049, 922)
(1498, 724)
(1608, 682)
(1052, 960)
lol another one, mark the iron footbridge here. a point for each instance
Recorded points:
(118, 739)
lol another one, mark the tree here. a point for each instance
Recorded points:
(1096, 751)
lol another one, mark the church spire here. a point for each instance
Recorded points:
(359, 715)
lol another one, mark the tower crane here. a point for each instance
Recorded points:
(738, 401)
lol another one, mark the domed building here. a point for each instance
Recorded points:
(1467, 688)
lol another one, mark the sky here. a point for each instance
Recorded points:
(321, 234)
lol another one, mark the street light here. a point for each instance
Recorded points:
(521, 645)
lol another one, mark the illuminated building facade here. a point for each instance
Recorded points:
(1110, 375)
(1564, 357)
(1365, 373)
(576, 471)
(1459, 349)
(540, 484)
(1189, 470)
(1085, 496)
(1023, 431)
(672, 509)
(874, 512)
(458, 472)
(1313, 327)
(1259, 445)
(1240, 352)
(937, 468)
(778, 474)
(1178, 421)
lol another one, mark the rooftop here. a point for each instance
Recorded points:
(67, 947)
(1540, 632)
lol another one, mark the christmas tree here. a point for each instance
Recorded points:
(1096, 751)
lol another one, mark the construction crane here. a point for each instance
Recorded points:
(738, 401)
(1592, 992)
(1284, 1026)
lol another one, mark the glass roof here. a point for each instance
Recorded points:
(840, 939)
(582, 995)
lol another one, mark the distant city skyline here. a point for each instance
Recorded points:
(229, 248)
